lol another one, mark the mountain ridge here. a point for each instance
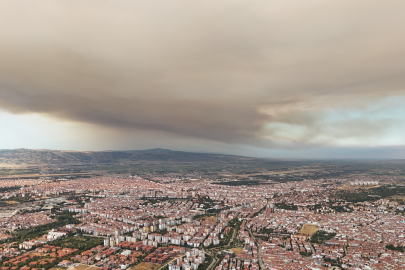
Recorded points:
(59, 157)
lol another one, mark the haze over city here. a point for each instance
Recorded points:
(296, 79)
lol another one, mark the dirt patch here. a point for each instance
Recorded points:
(397, 197)
(28, 176)
(12, 165)
(85, 267)
(237, 250)
(309, 229)
(146, 266)
(12, 202)
(276, 173)
(38, 254)
(357, 187)
(210, 218)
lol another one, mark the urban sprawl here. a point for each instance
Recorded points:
(167, 223)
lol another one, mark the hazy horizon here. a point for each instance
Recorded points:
(359, 155)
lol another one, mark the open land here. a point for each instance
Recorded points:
(309, 229)
(237, 250)
(146, 266)
(210, 218)
(85, 267)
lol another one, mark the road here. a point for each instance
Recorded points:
(260, 257)
(259, 251)
(214, 253)
(215, 260)
(173, 259)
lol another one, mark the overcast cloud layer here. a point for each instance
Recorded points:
(263, 73)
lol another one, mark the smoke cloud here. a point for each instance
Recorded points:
(261, 73)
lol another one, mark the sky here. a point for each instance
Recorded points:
(266, 78)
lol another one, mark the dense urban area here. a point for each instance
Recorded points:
(285, 219)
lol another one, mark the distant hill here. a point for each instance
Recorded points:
(55, 157)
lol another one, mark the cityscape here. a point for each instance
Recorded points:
(189, 220)
(202, 135)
